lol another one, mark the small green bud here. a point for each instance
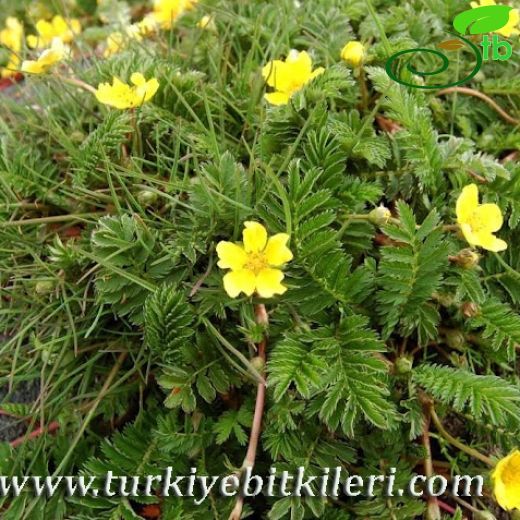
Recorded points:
(258, 364)
(77, 136)
(44, 287)
(380, 216)
(445, 299)
(515, 515)
(147, 197)
(403, 365)
(455, 339)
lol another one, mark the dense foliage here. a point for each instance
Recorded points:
(111, 299)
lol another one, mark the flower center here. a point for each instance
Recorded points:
(511, 474)
(256, 262)
(477, 223)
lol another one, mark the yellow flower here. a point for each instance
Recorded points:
(11, 37)
(353, 53)
(121, 95)
(114, 43)
(253, 264)
(511, 28)
(58, 27)
(479, 221)
(207, 22)
(117, 40)
(147, 26)
(506, 481)
(165, 12)
(57, 52)
(289, 76)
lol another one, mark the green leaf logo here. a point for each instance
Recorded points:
(482, 19)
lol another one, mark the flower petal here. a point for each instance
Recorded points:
(104, 93)
(491, 215)
(506, 481)
(32, 41)
(300, 64)
(467, 203)
(490, 242)
(511, 27)
(276, 252)
(32, 67)
(318, 72)
(268, 283)
(271, 70)
(137, 79)
(236, 282)
(469, 235)
(277, 98)
(151, 86)
(254, 236)
(231, 256)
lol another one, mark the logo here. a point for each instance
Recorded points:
(478, 21)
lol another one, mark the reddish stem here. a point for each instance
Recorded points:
(446, 507)
(433, 502)
(249, 460)
(51, 428)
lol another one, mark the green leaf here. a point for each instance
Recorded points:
(232, 422)
(168, 318)
(294, 362)
(501, 325)
(486, 398)
(484, 19)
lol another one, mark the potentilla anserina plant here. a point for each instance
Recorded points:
(243, 238)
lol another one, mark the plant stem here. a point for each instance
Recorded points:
(451, 227)
(507, 267)
(101, 395)
(434, 513)
(78, 83)
(446, 507)
(456, 442)
(480, 95)
(249, 460)
(52, 427)
(49, 220)
(365, 98)
(380, 27)
(104, 390)
(467, 505)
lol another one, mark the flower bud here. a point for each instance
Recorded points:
(455, 339)
(44, 287)
(77, 136)
(380, 216)
(467, 259)
(258, 364)
(353, 53)
(470, 309)
(403, 365)
(147, 197)
(445, 299)
(207, 22)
